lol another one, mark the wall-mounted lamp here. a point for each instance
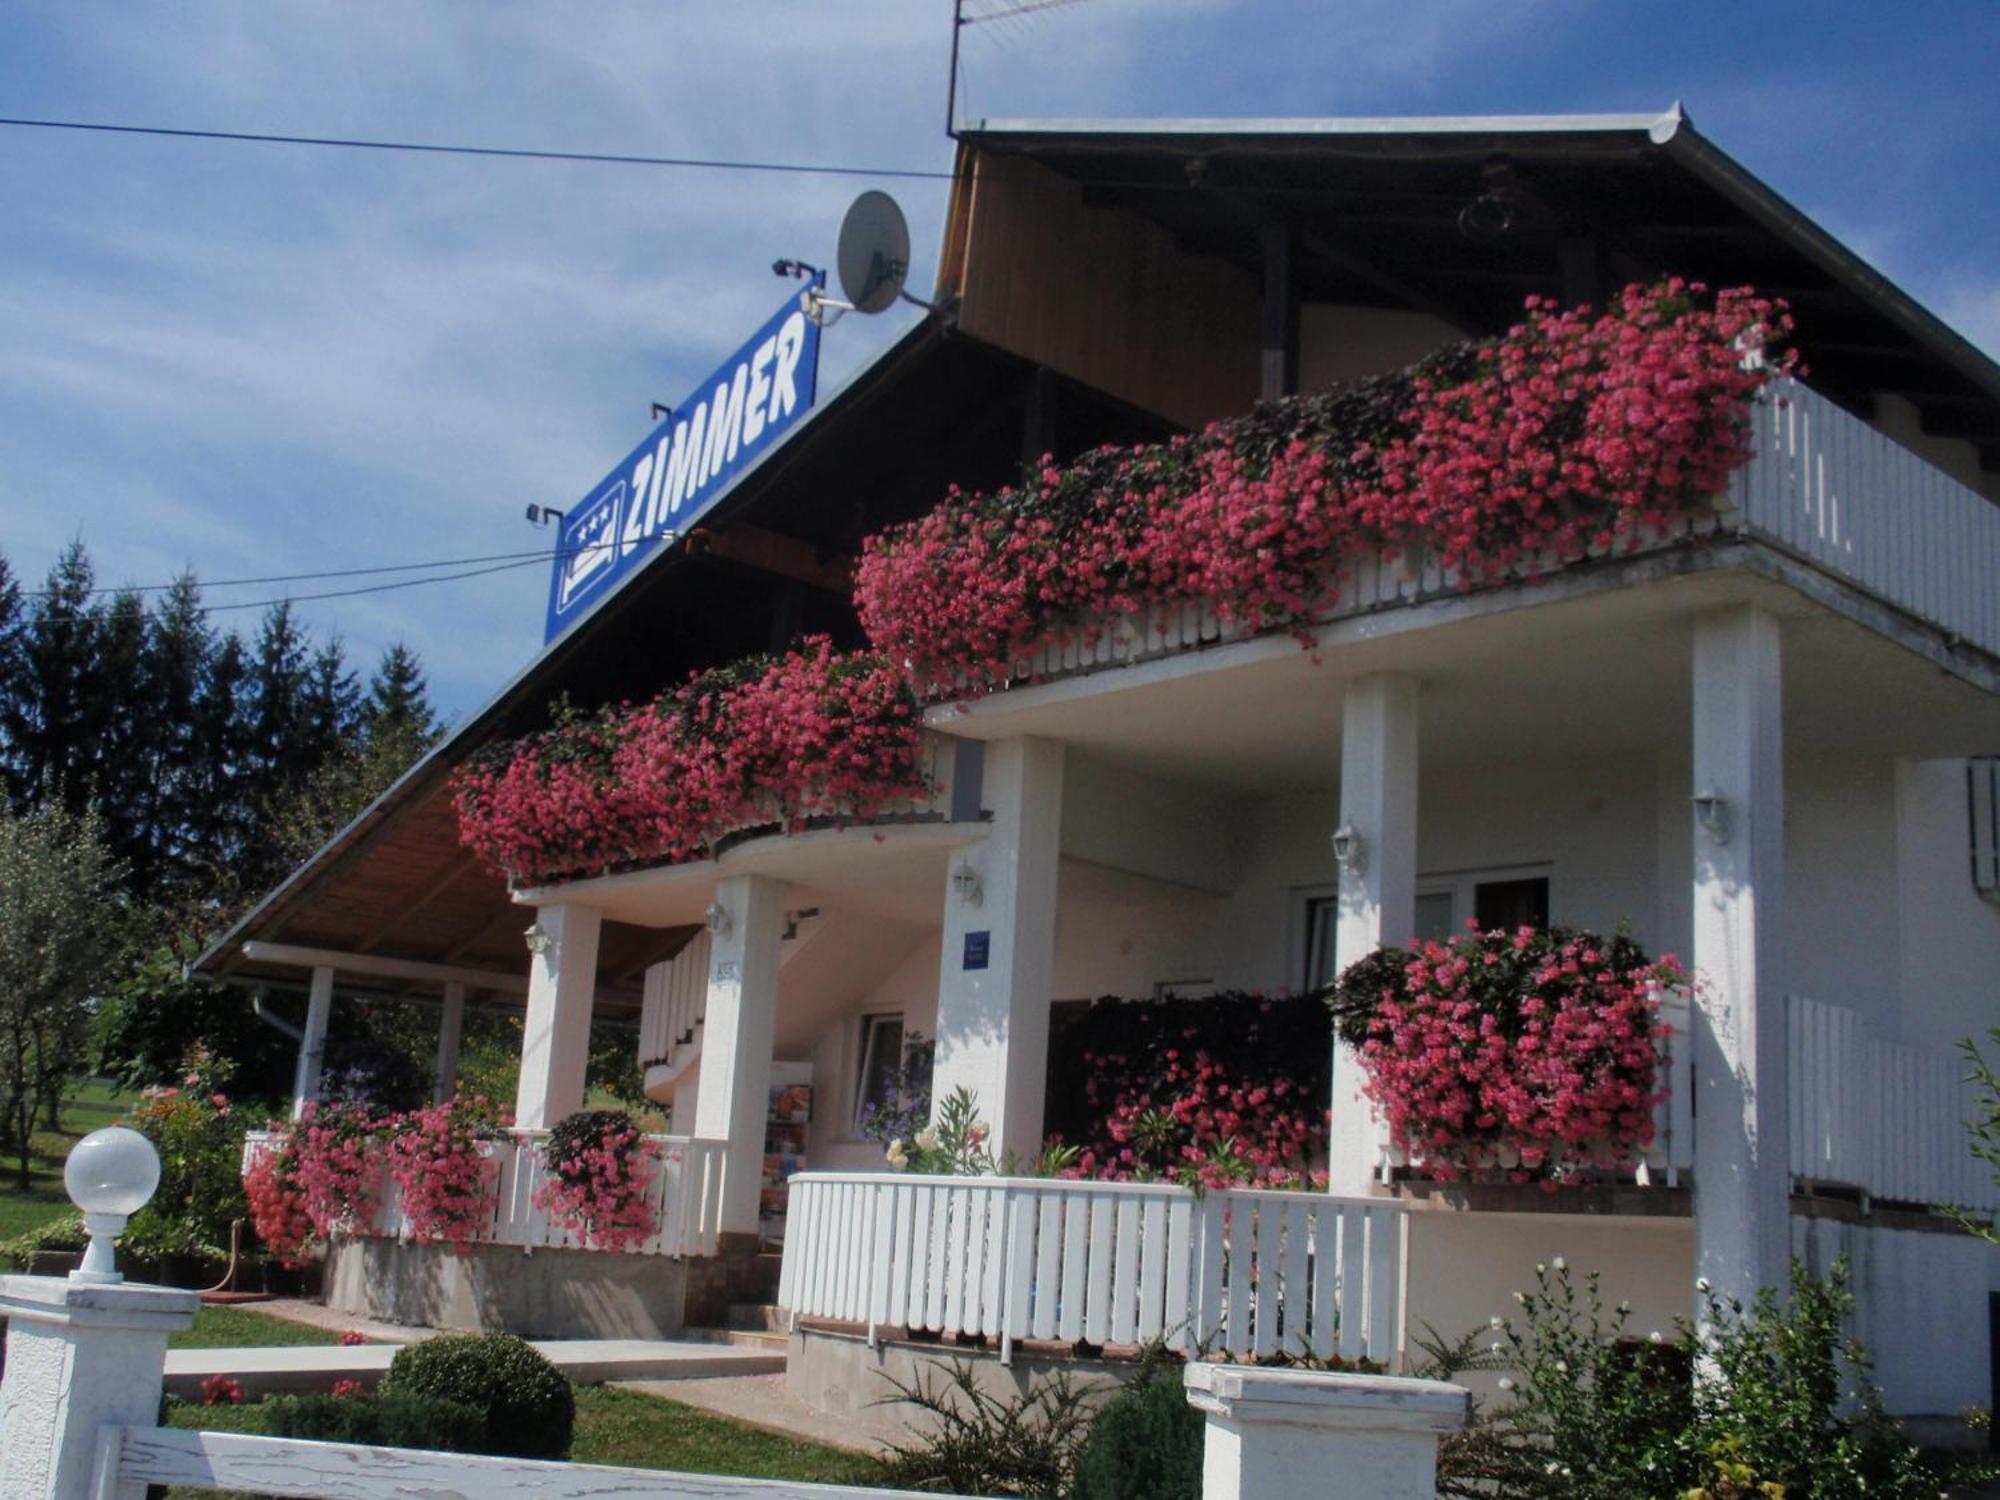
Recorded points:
(538, 938)
(717, 919)
(1350, 850)
(965, 883)
(1711, 810)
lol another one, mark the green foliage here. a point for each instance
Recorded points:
(384, 1420)
(1781, 1405)
(953, 1146)
(62, 1233)
(1983, 1128)
(59, 926)
(982, 1444)
(1145, 1444)
(529, 1405)
(199, 1137)
(155, 1016)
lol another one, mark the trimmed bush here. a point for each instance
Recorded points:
(529, 1407)
(387, 1421)
(1145, 1444)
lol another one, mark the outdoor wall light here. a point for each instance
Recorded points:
(717, 919)
(1350, 850)
(538, 938)
(1711, 810)
(965, 883)
(109, 1175)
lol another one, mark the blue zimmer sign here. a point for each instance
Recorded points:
(687, 462)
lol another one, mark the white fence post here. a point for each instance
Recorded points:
(1276, 1434)
(80, 1356)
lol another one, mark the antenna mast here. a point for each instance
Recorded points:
(951, 84)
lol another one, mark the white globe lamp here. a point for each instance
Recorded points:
(110, 1175)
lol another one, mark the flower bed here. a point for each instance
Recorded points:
(773, 740)
(1567, 432)
(1517, 1056)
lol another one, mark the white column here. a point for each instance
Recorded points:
(312, 1044)
(1378, 887)
(80, 1357)
(555, 1033)
(1742, 1187)
(451, 1027)
(740, 1025)
(996, 975)
(1279, 1434)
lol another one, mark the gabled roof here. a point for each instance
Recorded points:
(1379, 202)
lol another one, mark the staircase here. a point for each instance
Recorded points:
(676, 995)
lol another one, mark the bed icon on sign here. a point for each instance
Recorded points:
(590, 539)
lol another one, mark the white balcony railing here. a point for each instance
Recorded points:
(1879, 1116)
(1821, 485)
(686, 1193)
(1098, 1262)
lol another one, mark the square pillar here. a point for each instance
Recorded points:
(1742, 1187)
(1378, 886)
(312, 1042)
(451, 1028)
(81, 1356)
(733, 1102)
(996, 975)
(555, 1033)
(1272, 1433)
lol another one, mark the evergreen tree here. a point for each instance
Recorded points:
(329, 708)
(50, 718)
(122, 726)
(399, 699)
(220, 808)
(12, 642)
(173, 668)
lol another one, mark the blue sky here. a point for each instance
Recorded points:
(259, 359)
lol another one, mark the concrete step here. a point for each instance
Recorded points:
(316, 1367)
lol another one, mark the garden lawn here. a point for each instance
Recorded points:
(630, 1428)
(241, 1328)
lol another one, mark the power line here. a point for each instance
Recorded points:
(606, 158)
(542, 555)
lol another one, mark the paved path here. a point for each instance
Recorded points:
(763, 1401)
(317, 1367)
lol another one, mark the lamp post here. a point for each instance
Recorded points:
(110, 1175)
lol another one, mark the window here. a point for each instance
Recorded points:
(1982, 789)
(1503, 899)
(881, 1061)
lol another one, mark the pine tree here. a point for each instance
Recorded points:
(329, 708)
(122, 726)
(12, 643)
(399, 699)
(173, 669)
(50, 717)
(219, 806)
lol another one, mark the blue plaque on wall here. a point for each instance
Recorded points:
(978, 949)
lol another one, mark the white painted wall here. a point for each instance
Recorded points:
(1950, 938)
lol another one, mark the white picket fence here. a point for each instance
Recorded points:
(1821, 485)
(686, 1192)
(674, 1006)
(1880, 1116)
(1249, 1273)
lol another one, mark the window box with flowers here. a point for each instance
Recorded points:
(1526, 1056)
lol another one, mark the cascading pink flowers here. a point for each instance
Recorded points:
(442, 1163)
(814, 733)
(1514, 1056)
(601, 1171)
(1567, 433)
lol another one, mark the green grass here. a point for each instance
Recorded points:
(244, 1328)
(634, 1430)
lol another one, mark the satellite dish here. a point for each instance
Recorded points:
(874, 254)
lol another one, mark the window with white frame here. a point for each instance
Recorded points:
(881, 1063)
(1502, 898)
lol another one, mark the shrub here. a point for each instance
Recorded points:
(199, 1138)
(529, 1407)
(1782, 1405)
(65, 1232)
(387, 1420)
(1146, 1443)
(982, 1444)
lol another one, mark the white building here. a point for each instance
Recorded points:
(1759, 747)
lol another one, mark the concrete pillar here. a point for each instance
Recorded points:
(80, 1356)
(734, 1100)
(555, 1034)
(997, 972)
(1742, 1187)
(451, 1028)
(1275, 1434)
(312, 1044)
(1378, 887)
